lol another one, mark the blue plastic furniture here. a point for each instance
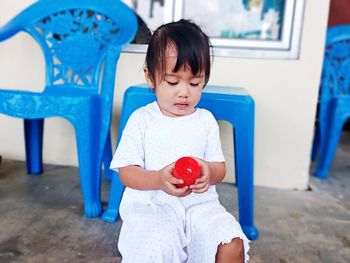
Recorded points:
(334, 98)
(81, 41)
(230, 104)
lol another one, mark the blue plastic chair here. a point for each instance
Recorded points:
(230, 104)
(81, 41)
(334, 99)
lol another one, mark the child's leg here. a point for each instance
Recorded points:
(151, 234)
(231, 253)
(215, 235)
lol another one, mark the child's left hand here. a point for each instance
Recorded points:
(202, 183)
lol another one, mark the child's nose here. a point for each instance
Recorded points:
(183, 91)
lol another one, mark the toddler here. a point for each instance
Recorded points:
(163, 223)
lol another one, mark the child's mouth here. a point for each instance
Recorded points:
(181, 106)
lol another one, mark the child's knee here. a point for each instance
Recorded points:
(237, 247)
(233, 251)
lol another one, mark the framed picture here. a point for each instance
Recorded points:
(237, 28)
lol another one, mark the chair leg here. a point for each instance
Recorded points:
(33, 136)
(116, 190)
(244, 163)
(89, 168)
(115, 196)
(316, 143)
(107, 158)
(329, 145)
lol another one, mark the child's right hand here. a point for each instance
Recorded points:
(167, 182)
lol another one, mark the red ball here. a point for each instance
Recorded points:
(187, 169)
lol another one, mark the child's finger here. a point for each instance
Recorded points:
(198, 186)
(201, 179)
(174, 180)
(170, 167)
(181, 191)
(188, 191)
(201, 189)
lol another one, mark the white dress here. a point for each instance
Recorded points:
(158, 227)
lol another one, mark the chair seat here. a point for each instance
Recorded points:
(234, 105)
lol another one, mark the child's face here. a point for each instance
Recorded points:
(179, 92)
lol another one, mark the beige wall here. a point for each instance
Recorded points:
(285, 93)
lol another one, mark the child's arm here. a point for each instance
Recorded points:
(135, 177)
(211, 173)
(217, 172)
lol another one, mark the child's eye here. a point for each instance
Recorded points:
(171, 83)
(194, 84)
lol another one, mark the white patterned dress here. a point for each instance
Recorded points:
(158, 227)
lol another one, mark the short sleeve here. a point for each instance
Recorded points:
(130, 150)
(213, 152)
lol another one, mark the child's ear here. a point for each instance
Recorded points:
(148, 79)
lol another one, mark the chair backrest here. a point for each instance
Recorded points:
(336, 63)
(75, 36)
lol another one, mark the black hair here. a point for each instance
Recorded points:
(192, 46)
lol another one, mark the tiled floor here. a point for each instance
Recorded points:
(41, 218)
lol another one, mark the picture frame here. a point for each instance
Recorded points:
(268, 29)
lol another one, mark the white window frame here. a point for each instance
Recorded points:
(286, 48)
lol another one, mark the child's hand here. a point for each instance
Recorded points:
(167, 182)
(202, 183)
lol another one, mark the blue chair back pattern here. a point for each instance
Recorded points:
(81, 41)
(334, 98)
